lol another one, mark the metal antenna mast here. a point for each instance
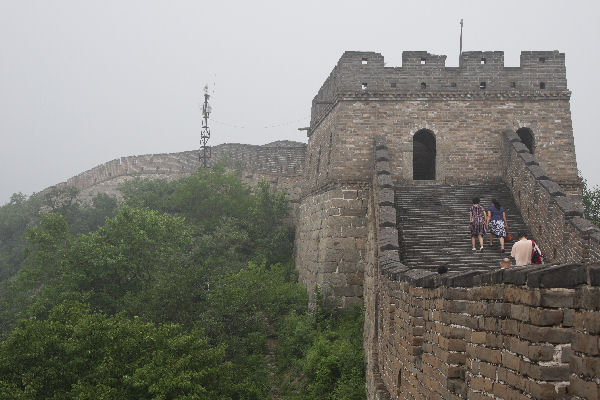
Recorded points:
(205, 133)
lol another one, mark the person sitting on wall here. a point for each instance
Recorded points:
(505, 263)
(496, 223)
(521, 250)
(477, 223)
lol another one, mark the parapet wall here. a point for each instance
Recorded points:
(555, 218)
(281, 163)
(362, 99)
(520, 333)
(541, 73)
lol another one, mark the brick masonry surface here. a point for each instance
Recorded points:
(519, 333)
(465, 119)
(331, 241)
(556, 220)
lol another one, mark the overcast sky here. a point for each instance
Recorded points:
(84, 82)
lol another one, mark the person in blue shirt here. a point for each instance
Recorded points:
(496, 223)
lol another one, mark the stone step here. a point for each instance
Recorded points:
(433, 225)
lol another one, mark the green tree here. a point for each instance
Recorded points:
(591, 202)
(79, 354)
(320, 354)
(22, 212)
(243, 309)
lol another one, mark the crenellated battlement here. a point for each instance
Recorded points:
(479, 72)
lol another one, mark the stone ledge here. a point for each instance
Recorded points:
(544, 276)
(384, 181)
(396, 272)
(463, 279)
(381, 155)
(387, 216)
(382, 167)
(385, 197)
(569, 207)
(418, 277)
(559, 276)
(552, 187)
(388, 238)
(511, 135)
(518, 275)
(520, 147)
(594, 275)
(528, 158)
(584, 226)
(538, 172)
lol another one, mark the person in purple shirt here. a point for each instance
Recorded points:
(477, 220)
(496, 223)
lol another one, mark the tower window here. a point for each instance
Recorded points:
(423, 85)
(542, 59)
(364, 61)
(393, 84)
(513, 84)
(542, 85)
(422, 61)
(482, 85)
(364, 86)
(483, 61)
(453, 84)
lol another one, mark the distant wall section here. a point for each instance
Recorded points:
(280, 163)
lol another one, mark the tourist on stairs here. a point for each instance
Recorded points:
(477, 223)
(496, 223)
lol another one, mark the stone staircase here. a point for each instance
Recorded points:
(433, 225)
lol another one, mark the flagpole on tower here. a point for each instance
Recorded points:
(461, 29)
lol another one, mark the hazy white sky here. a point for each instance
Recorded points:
(83, 82)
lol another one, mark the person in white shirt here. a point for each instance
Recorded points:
(521, 250)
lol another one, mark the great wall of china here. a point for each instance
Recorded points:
(393, 155)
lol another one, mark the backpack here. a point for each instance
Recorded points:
(537, 257)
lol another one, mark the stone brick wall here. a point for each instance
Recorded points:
(331, 241)
(513, 334)
(554, 217)
(281, 163)
(464, 118)
(521, 333)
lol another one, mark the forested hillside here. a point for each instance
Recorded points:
(187, 290)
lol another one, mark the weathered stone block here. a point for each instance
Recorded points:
(520, 147)
(387, 217)
(386, 197)
(552, 187)
(569, 207)
(545, 317)
(528, 158)
(560, 276)
(384, 181)
(381, 155)
(538, 173)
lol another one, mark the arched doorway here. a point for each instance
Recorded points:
(424, 155)
(526, 136)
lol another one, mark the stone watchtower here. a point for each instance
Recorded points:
(442, 125)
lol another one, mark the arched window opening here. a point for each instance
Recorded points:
(526, 136)
(424, 155)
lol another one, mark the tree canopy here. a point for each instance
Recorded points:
(186, 290)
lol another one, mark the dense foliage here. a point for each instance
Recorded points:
(185, 291)
(591, 202)
(22, 212)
